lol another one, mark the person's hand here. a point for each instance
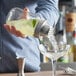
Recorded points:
(25, 14)
(12, 29)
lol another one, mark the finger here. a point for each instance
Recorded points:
(26, 10)
(19, 34)
(13, 30)
(7, 27)
(16, 32)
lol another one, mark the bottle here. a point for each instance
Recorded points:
(74, 36)
(71, 54)
(62, 43)
(74, 44)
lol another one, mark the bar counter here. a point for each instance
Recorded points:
(41, 73)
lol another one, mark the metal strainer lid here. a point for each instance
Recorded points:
(42, 27)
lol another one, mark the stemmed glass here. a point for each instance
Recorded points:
(52, 54)
(21, 65)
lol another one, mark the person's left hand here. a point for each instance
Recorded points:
(13, 30)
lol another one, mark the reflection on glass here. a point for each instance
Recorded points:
(53, 55)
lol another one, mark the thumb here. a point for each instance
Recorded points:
(25, 13)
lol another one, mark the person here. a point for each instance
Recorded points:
(12, 46)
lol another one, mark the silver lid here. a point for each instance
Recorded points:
(42, 27)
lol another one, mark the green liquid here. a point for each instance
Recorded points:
(26, 27)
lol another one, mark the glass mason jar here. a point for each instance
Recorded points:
(26, 22)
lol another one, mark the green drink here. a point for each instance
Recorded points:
(26, 27)
(32, 25)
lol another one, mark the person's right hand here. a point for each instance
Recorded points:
(25, 14)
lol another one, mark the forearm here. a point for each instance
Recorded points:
(48, 10)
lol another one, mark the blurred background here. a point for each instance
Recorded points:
(67, 25)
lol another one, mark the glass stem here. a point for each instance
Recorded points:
(53, 67)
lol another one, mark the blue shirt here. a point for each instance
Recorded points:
(12, 46)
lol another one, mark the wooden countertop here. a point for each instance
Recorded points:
(42, 73)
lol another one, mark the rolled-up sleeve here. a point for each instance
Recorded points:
(48, 10)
